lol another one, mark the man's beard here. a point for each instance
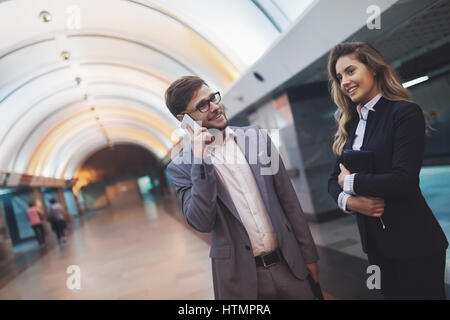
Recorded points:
(220, 128)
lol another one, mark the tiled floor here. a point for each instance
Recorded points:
(137, 253)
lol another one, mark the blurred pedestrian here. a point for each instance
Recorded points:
(57, 220)
(36, 223)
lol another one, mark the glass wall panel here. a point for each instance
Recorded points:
(70, 202)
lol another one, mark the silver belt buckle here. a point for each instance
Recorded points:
(264, 261)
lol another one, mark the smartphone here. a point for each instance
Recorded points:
(187, 120)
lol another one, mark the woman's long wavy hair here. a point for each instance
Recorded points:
(389, 85)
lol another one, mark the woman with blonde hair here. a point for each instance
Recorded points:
(398, 231)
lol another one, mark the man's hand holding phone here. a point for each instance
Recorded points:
(200, 137)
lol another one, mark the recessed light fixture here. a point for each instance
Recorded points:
(45, 16)
(78, 80)
(65, 55)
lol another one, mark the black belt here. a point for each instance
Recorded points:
(268, 259)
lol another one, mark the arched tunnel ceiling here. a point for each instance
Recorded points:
(124, 54)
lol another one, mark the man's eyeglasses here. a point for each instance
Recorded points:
(204, 105)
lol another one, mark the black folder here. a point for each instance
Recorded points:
(359, 161)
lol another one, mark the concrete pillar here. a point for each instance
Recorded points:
(276, 117)
(38, 199)
(313, 113)
(77, 202)
(62, 200)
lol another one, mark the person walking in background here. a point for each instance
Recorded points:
(376, 115)
(36, 223)
(57, 220)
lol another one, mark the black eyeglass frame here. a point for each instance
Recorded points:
(211, 99)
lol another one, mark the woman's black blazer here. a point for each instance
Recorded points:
(395, 132)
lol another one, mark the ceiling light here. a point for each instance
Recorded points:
(415, 81)
(45, 16)
(65, 55)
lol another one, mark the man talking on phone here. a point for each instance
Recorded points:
(262, 247)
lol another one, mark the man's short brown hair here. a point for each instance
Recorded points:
(181, 91)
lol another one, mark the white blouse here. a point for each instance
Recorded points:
(363, 112)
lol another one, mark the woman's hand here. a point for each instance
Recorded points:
(344, 172)
(372, 207)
